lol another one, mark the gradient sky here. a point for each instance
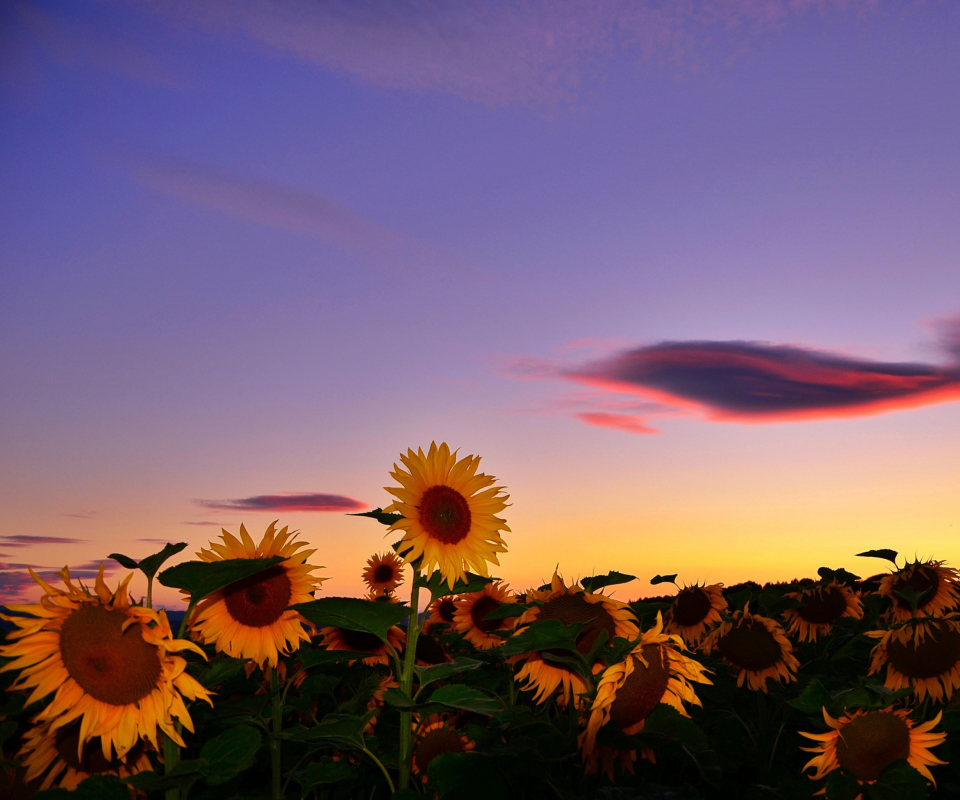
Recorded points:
(685, 274)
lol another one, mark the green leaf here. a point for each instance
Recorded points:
(597, 582)
(889, 555)
(465, 698)
(911, 597)
(898, 781)
(398, 698)
(96, 787)
(149, 565)
(842, 785)
(346, 729)
(813, 699)
(227, 755)
(313, 657)
(438, 586)
(325, 770)
(506, 611)
(466, 776)
(219, 670)
(380, 516)
(543, 634)
(440, 672)
(124, 561)
(201, 578)
(657, 579)
(354, 614)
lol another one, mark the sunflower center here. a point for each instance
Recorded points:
(868, 743)
(691, 606)
(446, 608)
(383, 574)
(360, 641)
(445, 514)
(643, 688)
(823, 606)
(750, 646)
(91, 760)
(433, 743)
(922, 580)
(573, 608)
(259, 600)
(935, 656)
(429, 650)
(111, 665)
(483, 606)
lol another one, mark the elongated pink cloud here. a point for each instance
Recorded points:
(26, 540)
(287, 502)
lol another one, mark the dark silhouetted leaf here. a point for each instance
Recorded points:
(657, 579)
(466, 776)
(439, 587)
(312, 657)
(96, 787)
(219, 670)
(889, 555)
(898, 781)
(398, 699)
(543, 634)
(202, 578)
(354, 614)
(149, 565)
(465, 698)
(597, 582)
(380, 516)
(325, 770)
(229, 754)
(506, 611)
(813, 699)
(842, 785)
(440, 672)
(124, 561)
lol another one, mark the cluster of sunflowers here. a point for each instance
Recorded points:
(552, 691)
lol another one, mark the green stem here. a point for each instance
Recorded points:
(275, 763)
(171, 757)
(406, 680)
(383, 769)
(149, 592)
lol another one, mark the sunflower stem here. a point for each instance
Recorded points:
(383, 769)
(171, 757)
(406, 679)
(275, 762)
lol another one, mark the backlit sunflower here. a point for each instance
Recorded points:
(756, 646)
(867, 741)
(571, 605)
(435, 736)
(938, 585)
(442, 610)
(384, 573)
(655, 671)
(924, 654)
(334, 638)
(694, 610)
(448, 513)
(58, 757)
(821, 607)
(249, 618)
(473, 607)
(109, 663)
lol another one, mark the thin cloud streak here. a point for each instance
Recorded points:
(287, 502)
(22, 540)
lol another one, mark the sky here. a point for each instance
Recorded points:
(686, 275)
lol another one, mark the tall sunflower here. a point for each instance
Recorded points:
(384, 573)
(924, 654)
(694, 610)
(436, 735)
(939, 587)
(472, 609)
(655, 671)
(867, 741)
(570, 605)
(250, 618)
(448, 513)
(442, 610)
(107, 663)
(820, 607)
(756, 646)
(334, 638)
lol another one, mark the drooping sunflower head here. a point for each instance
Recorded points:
(867, 741)
(655, 671)
(694, 610)
(937, 585)
(448, 513)
(470, 618)
(334, 638)
(821, 606)
(250, 618)
(755, 645)
(109, 665)
(436, 735)
(443, 610)
(384, 573)
(923, 654)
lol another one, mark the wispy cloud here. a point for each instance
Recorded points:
(201, 523)
(83, 515)
(287, 502)
(23, 540)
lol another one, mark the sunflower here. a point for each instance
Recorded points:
(109, 664)
(435, 736)
(472, 609)
(820, 607)
(655, 671)
(571, 605)
(334, 638)
(448, 513)
(58, 757)
(429, 650)
(442, 611)
(384, 573)
(694, 609)
(938, 585)
(867, 741)
(757, 646)
(376, 701)
(924, 654)
(249, 618)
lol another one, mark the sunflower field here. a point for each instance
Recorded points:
(837, 686)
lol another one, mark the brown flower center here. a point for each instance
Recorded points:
(573, 608)
(643, 688)
(261, 599)
(91, 760)
(110, 664)
(446, 609)
(691, 607)
(481, 607)
(921, 580)
(385, 573)
(445, 514)
(430, 651)
(935, 656)
(870, 742)
(750, 646)
(360, 641)
(433, 743)
(823, 605)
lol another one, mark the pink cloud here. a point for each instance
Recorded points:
(287, 502)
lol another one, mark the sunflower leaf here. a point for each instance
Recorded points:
(398, 698)
(889, 555)
(543, 634)
(506, 611)
(325, 770)
(439, 672)
(466, 776)
(313, 657)
(842, 785)
(380, 516)
(227, 755)
(346, 729)
(614, 578)
(898, 781)
(220, 670)
(465, 698)
(202, 578)
(658, 579)
(813, 699)
(354, 614)
(149, 565)
(439, 587)
(124, 561)
(96, 787)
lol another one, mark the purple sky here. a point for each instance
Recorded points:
(250, 253)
